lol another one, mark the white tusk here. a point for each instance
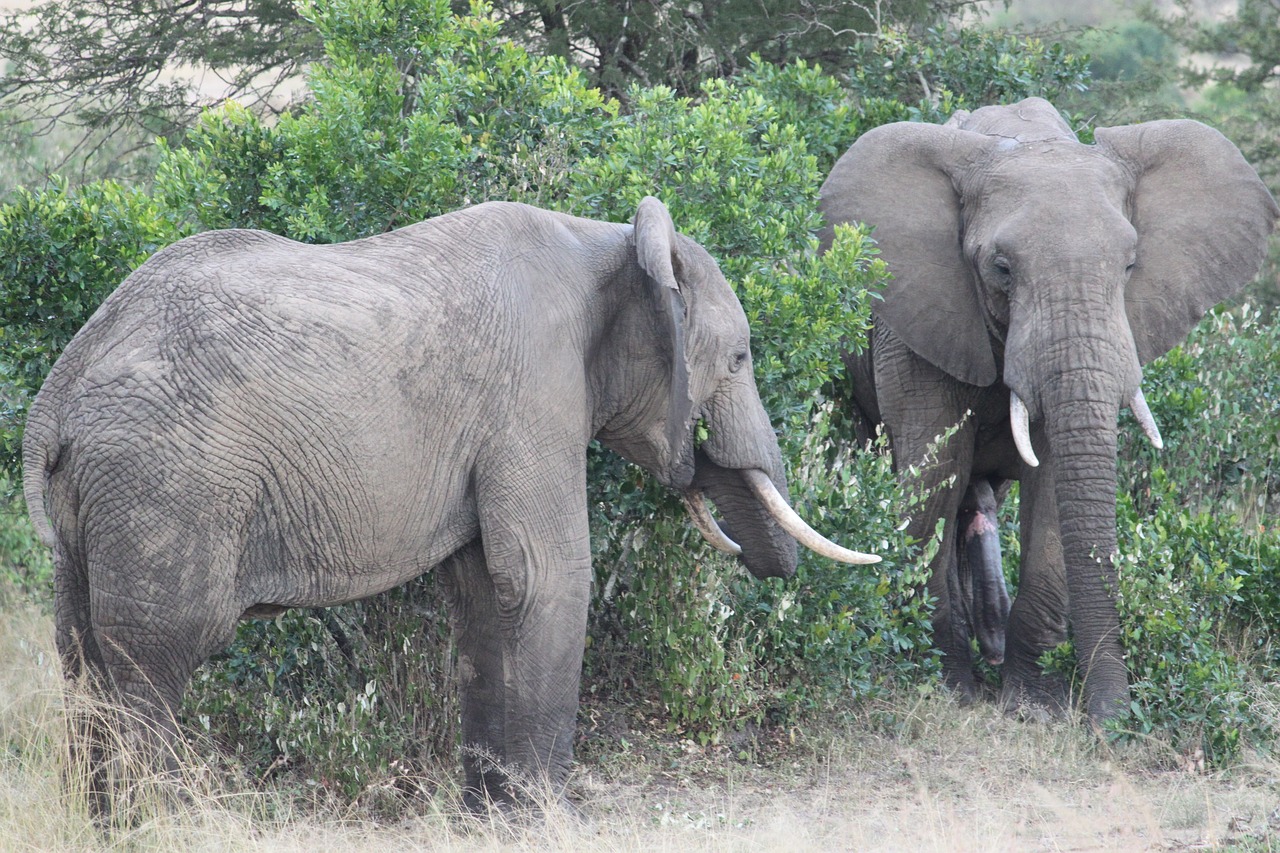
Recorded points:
(795, 525)
(1020, 422)
(1146, 420)
(696, 504)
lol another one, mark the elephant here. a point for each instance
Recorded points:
(249, 424)
(1032, 276)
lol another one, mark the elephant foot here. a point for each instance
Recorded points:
(1040, 698)
(502, 795)
(962, 684)
(484, 811)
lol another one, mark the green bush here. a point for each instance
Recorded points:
(26, 566)
(1217, 400)
(1181, 573)
(414, 113)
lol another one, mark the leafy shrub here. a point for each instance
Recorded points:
(26, 567)
(345, 699)
(414, 113)
(1181, 575)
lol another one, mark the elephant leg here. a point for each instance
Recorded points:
(951, 625)
(138, 655)
(146, 666)
(536, 549)
(1038, 617)
(83, 667)
(938, 496)
(919, 404)
(473, 611)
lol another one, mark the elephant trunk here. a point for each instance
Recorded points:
(753, 503)
(1082, 440)
(765, 548)
(1019, 421)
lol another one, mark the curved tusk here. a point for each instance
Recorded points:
(1146, 420)
(1020, 421)
(696, 504)
(777, 505)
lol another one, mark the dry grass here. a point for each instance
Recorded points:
(919, 775)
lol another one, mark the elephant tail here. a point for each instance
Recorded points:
(39, 457)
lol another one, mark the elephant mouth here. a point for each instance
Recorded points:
(776, 505)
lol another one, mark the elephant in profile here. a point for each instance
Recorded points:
(249, 424)
(1032, 277)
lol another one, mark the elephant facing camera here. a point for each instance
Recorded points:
(249, 424)
(1032, 277)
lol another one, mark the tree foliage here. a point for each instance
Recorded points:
(135, 69)
(682, 44)
(902, 77)
(131, 70)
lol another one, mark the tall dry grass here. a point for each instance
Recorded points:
(919, 773)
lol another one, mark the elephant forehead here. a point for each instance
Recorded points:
(1061, 185)
(714, 310)
(1034, 169)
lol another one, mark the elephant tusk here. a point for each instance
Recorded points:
(1020, 421)
(1146, 420)
(787, 518)
(696, 504)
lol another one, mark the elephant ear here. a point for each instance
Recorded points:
(657, 252)
(1203, 218)
(899, 179)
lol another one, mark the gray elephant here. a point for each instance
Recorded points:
(249, 424)
(1032, 277)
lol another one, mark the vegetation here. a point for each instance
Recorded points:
(113, 64)
(414, 110)
(123, 71)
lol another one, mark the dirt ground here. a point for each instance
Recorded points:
(941, 778)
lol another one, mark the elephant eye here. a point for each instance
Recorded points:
(739, 358)
(1001, 263)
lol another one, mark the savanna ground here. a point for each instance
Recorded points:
(913, 773)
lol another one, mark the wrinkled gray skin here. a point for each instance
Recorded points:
(250, 424)
(1024, 260)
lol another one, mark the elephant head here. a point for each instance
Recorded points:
(1027, 261)
(709, 381)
